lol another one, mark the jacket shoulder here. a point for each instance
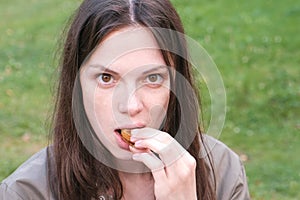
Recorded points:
(29, 180)
(231, 180)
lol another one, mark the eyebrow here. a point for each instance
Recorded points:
(101, 67)
(154, 69)
(116, 73)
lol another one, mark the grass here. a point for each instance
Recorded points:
(28, 43)
(255, 45)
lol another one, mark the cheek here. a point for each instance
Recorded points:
(157, 105)
(160, 98)
(103, 105)
(96, 102)
(103, 116)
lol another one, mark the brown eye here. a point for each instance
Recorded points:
(154, 79)
(105, 78)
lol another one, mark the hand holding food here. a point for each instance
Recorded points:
(172, 167)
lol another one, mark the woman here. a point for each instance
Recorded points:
(124, 68)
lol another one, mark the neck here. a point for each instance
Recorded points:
(137, 186)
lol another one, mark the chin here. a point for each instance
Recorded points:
(121, 154)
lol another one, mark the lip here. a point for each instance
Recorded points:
(120, 142)
(131, 126)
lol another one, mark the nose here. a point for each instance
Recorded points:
(131, 105)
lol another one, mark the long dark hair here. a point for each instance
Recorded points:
(73, 172)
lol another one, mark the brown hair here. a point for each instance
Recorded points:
(73, 172)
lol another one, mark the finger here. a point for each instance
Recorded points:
(169, 153)
(153, 163)
(150, 160)
(151, 143)
(143, 133)
(168, 149)
(147, 133)
(186, 161)
(133, 149)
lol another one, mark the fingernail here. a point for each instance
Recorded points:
(131, 148)
(133, 132)
(138, 143)
(133, 139)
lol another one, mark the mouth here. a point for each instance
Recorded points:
(125, 135)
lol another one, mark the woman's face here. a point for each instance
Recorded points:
(125, 85)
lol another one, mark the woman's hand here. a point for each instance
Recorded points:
(172, 167)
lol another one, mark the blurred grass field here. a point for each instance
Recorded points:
(255, 44)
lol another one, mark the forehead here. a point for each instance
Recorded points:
(131, 43)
